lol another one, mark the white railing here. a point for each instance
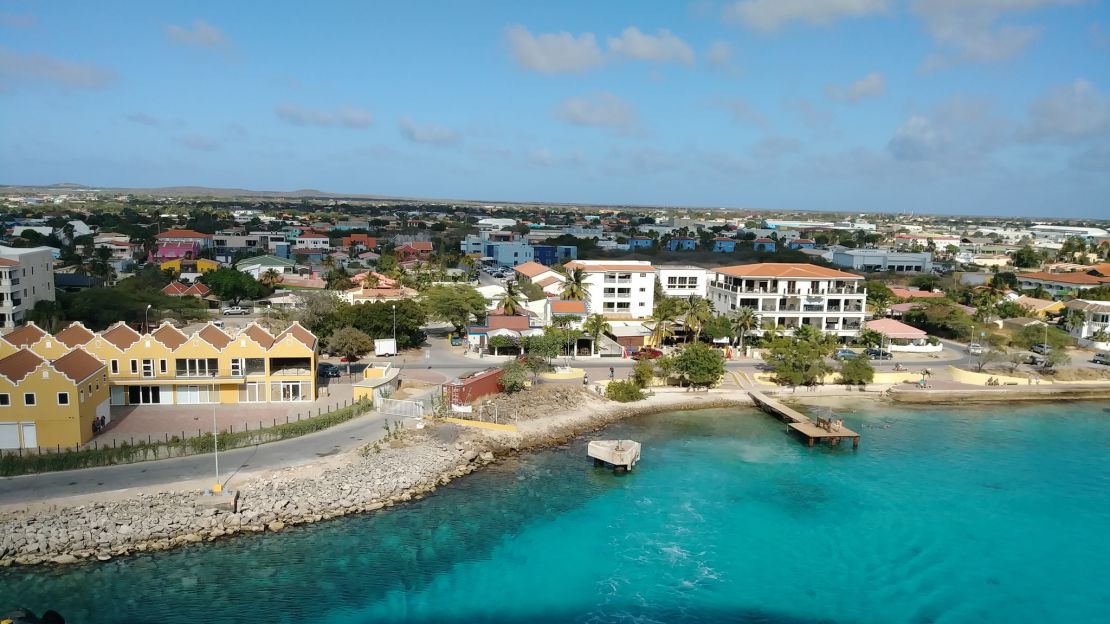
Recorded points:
(402, 408)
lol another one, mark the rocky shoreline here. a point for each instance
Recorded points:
(377, 476)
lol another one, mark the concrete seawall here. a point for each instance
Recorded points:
(1054, 392)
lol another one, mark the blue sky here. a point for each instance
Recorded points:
(947, 106)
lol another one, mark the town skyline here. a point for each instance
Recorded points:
(977, 107)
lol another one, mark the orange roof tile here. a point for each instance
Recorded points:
(549, 280)
(304, 336)
(568, 307)
(74, 335)
(531, 269)
(19, 364)
(24, 336)
(78, 365)
(174, 288)
(182, 234)
(8, 262)
(785, 270)
(1076, 277)
(120, 335)
(213, 336)
(259, 335)
(170, 336)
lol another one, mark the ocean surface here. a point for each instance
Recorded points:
(994, 514)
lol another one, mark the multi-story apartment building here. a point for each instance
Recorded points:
(167, 367)
(46, 403)
(788, 295)
(227, 243)
(680, 280)
(1095, 330)
(618, 288)
(26, 277)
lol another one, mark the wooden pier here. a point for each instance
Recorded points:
(812, 430)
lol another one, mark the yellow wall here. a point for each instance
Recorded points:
(203, 265)
(980, 379)
(49, 348)
(6, 349)
(65, 425)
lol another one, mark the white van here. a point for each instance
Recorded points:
(975, 348)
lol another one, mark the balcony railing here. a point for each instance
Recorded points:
(813, 308)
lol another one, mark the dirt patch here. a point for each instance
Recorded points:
(542, 401)
(1082, 374)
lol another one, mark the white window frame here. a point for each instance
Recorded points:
(148, 369)
(5, 399)
(34, 399)
(60, 397)
(115, 367)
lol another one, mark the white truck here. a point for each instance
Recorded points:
(385, 346)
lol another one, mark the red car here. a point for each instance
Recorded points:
(647, 353)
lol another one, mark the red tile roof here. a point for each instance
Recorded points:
(8, 262)
(182, 234)
(213, 336)
(74, 335)
(785, 270)
(170, 336)
(78, 365)
(259, 335)
(302, 335)
(120, 335)
(311, 234)
(568, 307)
(174, 289)
(531, 269)
(19, 364)
(24, 336)
(1077, 278)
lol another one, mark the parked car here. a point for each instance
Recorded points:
(1101, 358)
(329, 370)
(975, 348)
(879, 354)
(1041, 348)
(647, 353)
(844, 354)
(1035, 360)
(234, 311)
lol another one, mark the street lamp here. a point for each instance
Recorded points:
(146, 315)
(217, 488)
(394, 306)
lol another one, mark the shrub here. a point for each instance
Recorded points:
(643, 373)
(514, 376)
(856, 370)
(624, 391)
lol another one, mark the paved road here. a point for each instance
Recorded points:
(265, 456)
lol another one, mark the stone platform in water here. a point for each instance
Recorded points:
(620, 454)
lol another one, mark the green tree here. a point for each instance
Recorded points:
(698, 313)
(457, 304)
(1010, 309)
(46, 314)
(1074, 319)
(643, 372)
(926, 282)
(1027, 258)
(664, 368)
(879, 295)
(501, 342)
(623, 391)
(351, 344)
(510, 302)
(798, 362)
(377, 320)
(856, 371)
(700, 364)
(575, 287)
(595, 325)
(514, 377)
(230, 284)
(1026, 337)
(744, 320)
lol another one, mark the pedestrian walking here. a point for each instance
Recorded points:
(611, 373)
(585, 380)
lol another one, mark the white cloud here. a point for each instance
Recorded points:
(200, 143)
(1070, 112)
(772, 147)
(346, 116)
(968, 30)
(771, 15)
(742, 111)
(918, 139)
(601, 110)
(430, 134)
(719, 54)
(957, 133)
(17, 66)
(202, 34)
(663, 47)
(871, 85)
(554, 52)
(142, 119)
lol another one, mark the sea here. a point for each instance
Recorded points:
(999, 513)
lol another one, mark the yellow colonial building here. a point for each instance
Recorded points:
(50, 403)
(168, 367)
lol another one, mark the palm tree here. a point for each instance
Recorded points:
(870, 337)
(698, 313)
(807, 333)
(1074, 319)
(574, 288)
(743, 321)
(595, 325)
(270, 277)
(663, 319)
(510, 301)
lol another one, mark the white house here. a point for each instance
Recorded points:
(26, 277)
(1097, 315)
(680, 280)
(314, 241)
(788, 295)
(618, 288)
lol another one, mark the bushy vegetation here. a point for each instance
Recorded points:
(857, 371)
(514, 377)
(624, 391)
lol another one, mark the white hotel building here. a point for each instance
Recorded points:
(619, 289)
(788, 295)
(26, 277)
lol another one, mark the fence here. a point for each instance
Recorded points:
(27, 461)
(402, 408)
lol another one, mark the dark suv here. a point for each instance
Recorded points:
(329, 370)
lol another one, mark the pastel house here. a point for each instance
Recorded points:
(722, 244)
(681, 243)
(639, 242)
(801, 243)
(763, 244)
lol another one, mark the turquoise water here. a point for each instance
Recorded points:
(980, 515)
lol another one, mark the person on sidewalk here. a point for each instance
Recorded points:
(585, 380)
